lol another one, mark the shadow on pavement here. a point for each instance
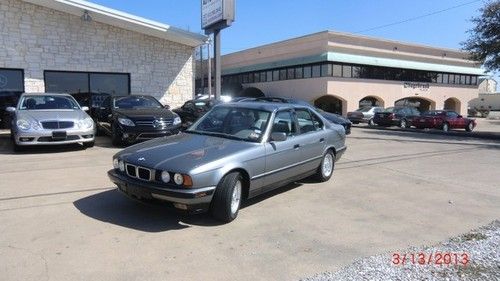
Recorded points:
(113, 207)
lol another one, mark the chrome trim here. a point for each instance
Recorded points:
(151, 172)
(286, 167)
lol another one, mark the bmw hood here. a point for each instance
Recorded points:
(183, 152)
(157, 113)
(42, 115)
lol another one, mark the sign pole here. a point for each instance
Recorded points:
(202, 72)
(209, 72)
(217, 64)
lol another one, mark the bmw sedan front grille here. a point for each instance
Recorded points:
(57, 124)
(139, 172)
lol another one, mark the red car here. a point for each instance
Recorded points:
(444, 120)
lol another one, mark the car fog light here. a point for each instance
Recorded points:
(180, 206)
(121, 165)
(165, 176)
(178, 179)
(115, 163)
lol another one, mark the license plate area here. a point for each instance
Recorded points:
(59, 135)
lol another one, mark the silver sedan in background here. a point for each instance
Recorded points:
(234, 152)
(50, 119)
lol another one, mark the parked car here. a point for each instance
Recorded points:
(234, 152)
(91, 100)
(50, 119)
(7, 99)
(444, 120)
(364, 114)
(192, 110)
(332, 117)
(401, 116)
(128, 119)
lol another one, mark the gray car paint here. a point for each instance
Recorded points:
(266, 163)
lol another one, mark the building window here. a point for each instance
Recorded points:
(291, 73)
(467, 79)
(462, 79)
(245, 78)
(307, 71)
(86, 82)
(326, 69)
(316, 70)
(337, 70)
(276, 75)
(439, 78)
(356, 72)
(446, 78)
(263, 76)
(282, 74)
(346, 71)
(298, 73)
(473, 80)
(11, 80)
(256, 77)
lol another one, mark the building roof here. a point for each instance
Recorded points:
(349, 48)
(123, 20)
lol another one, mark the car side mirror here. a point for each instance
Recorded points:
(166, 106)
(459, 116)
(278, 136)
(85, 108)
(10, 109)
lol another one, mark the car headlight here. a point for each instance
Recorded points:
(177, 121)
(121, 165)
(115, 163)
(23, 124)
(178, 179)
(165, 176)
(86, 123)
(126, 122)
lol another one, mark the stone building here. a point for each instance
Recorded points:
(341, 72)
(77, 46)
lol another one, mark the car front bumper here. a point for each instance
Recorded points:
(46, 137)
(131, 134)
(195, 200)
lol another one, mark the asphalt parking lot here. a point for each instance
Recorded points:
(61, 218)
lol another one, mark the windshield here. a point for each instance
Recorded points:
(432, 113)
(233, 122)
(44, 102)
(136, 102)
(363, 109)
(389, 109)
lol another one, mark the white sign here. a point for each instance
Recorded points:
(216, 11)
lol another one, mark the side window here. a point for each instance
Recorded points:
(451, 114)
(284, 123)
(306, 122)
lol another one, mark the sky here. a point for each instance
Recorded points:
(261, 22)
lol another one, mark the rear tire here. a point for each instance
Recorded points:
(446, 127)
(469, 127)
(403, 124)
(227, 198)
(325, 169)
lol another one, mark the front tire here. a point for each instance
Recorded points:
(469, 127)
(325, 169)
(227, 198)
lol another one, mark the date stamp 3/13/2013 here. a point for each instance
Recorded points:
(432, 258)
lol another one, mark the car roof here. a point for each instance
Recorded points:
(45, 94)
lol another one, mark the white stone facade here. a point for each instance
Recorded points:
(35, 39)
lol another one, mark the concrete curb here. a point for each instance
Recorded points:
(477, 135)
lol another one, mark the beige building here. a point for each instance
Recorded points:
(340, 72)
(77, 46)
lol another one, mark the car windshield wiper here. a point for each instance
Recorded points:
(215, 134)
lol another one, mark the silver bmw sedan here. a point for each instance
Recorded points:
(50, 119)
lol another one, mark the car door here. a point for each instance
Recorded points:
(282, 157)
(311, 138)
(454, 120)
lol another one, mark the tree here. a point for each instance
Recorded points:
(484, 41)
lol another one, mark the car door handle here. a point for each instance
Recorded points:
(321, 140)
(297, 146)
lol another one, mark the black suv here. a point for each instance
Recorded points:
(396, 116)
(192, 110)
(128, 119)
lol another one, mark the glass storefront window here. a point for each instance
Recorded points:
(282, 74)
(298, 73)
(276, 75)
(346, 71)
(316, 70)
(11, 80)
(473, 80)
(307, 71)
(84, 82)
(326, 70)
(337, 70)
(291, 73)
